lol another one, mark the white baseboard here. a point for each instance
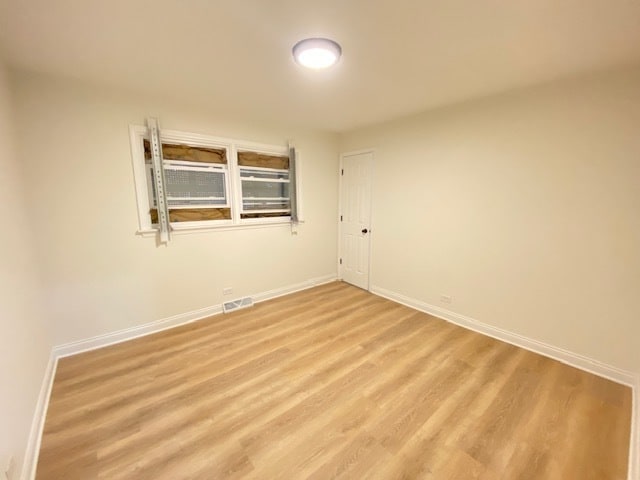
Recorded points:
(570, 358)
(575, 360)
(73, 348)
(30, 462)
(119, 336)
(634, 444)
(126, 334)
(278, 292)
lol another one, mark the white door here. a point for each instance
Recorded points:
(355, 218)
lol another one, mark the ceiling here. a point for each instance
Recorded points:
(399, 57)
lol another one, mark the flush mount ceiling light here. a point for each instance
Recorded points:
(316, 53)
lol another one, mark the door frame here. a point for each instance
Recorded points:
(340, 167)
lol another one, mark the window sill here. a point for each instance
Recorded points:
(181, 230)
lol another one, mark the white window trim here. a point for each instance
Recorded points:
(146, 229)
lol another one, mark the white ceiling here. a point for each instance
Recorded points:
(399, 57)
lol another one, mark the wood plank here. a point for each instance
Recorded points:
(255, 159)
(187, 153)
(193, 214)
(264, 215)
(331, 382)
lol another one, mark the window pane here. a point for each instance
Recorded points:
(265, 196)
(188, 187)
(249, 206)
(264, 189)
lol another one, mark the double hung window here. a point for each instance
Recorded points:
(210, 182)
(265, 185)
(196, 183)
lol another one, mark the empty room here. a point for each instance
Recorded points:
(313, 240)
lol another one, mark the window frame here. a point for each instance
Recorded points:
(137, 135)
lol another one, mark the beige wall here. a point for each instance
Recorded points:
(25, 343)
(99, 276)
(525, 208)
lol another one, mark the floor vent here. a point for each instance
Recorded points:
(237, 304)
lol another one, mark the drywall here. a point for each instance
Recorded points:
(99, 276)
(524, 208)
(25, 345)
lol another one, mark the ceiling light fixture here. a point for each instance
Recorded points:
(316, 53)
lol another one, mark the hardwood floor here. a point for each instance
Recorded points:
(331, 382)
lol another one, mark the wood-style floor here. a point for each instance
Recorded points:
(331, 382)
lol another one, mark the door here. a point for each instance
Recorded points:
(355, 218)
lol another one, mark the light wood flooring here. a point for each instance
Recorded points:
(331, 382)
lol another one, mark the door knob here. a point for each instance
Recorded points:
(364, 230)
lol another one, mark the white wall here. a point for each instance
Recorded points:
(525, 208)
(99, 276)
(25, 344)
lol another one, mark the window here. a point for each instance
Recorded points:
(211, 182)
(196, 183)
(265, 185)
